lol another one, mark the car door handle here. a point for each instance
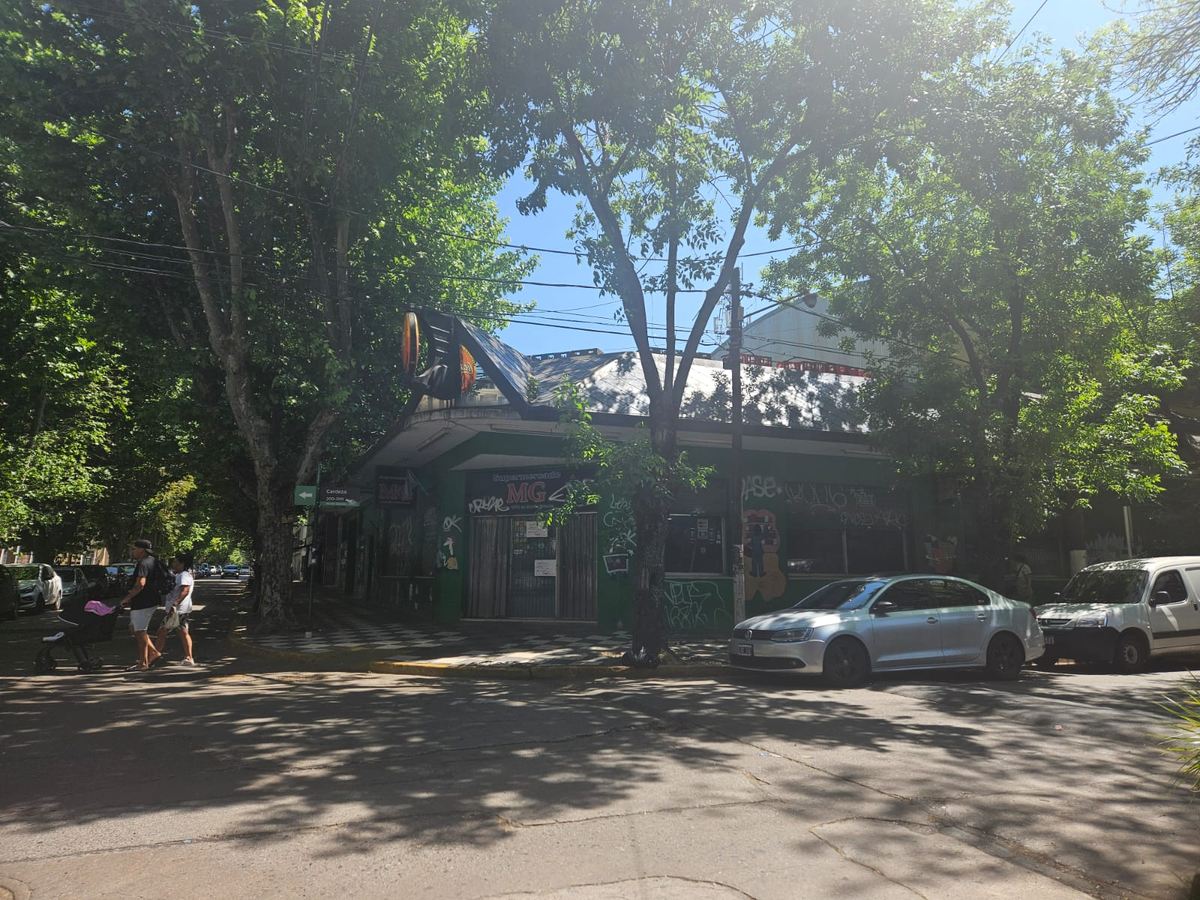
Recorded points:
(932, 620)
(982, 617)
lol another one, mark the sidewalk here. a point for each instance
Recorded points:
(355, 636)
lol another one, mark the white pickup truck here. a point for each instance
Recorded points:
(1125, 612)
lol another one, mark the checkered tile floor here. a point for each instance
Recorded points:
(341, 628)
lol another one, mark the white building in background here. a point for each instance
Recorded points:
(789, 336)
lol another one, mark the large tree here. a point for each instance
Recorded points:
(996, 249)
(676, 124)
(285, 179)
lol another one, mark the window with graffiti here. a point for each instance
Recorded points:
(835, 529)
(695, 544)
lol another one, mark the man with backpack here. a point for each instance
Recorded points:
(143, 598)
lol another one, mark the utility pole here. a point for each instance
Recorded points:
(735, 476)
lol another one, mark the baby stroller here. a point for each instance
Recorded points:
(91, 622)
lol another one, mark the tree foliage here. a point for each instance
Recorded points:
(1160, 48)
(280, 180)
(995, 249)
(63, 382)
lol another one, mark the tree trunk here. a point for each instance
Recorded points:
(273, 579)
(992, 528)
(651, 510)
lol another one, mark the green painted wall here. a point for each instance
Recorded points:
(701, 602)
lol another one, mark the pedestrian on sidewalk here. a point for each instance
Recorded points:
(178, 608)
(142, 600)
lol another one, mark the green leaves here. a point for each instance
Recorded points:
(994, 251)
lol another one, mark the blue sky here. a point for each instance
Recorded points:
(565, 313)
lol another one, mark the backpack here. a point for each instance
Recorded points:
(164, 579)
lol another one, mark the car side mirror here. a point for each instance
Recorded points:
(1160, 598)
(882, 608)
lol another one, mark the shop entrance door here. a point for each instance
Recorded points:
(521, 569)
(533, 572)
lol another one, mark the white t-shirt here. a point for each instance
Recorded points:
(185, 605)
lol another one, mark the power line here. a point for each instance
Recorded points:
(1022, 31)
(532, 317)
(1169, 136)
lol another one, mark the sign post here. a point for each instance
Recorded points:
(312, 575)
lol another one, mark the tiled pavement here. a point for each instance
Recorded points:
(339, 626)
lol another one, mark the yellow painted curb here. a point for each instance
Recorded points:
(444, 670)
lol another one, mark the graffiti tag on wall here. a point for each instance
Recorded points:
(848, 504)
(694, 604)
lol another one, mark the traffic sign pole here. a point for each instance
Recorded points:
(312, 573)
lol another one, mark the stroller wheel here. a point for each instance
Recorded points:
(43, 665)
(91, 665)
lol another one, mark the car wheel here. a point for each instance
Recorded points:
(1130, 654)
(40, 606)
(1005, 656)
(846, 664)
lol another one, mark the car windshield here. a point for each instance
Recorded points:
(25, 573)
(1105, 586)
(841, 595)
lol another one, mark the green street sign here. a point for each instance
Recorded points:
(306, 495)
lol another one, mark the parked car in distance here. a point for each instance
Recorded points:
(114, 580)
(125, 576)
(10, 594)
(856, 626)
(1125, 612)
(230, 571)
(97, 581)
(74, 583)
(244, 571)
(202, 570)
(39, 586)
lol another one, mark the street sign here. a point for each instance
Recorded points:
(339, 497)
(306, 495)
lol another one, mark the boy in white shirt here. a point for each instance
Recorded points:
(179, 601)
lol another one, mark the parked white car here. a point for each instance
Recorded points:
(39, 585)
(1125, 612)
(850, 628)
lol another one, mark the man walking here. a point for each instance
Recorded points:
(142, 600)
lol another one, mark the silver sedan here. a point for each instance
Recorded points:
(850, 628)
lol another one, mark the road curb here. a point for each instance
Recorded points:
(484, 672)
(554, 672)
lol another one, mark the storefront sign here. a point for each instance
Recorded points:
(491, 493)
(847, 505)
(395, 490)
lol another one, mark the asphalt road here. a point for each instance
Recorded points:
(233, 782)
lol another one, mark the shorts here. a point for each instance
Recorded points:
(183, 622)
(139, 619)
